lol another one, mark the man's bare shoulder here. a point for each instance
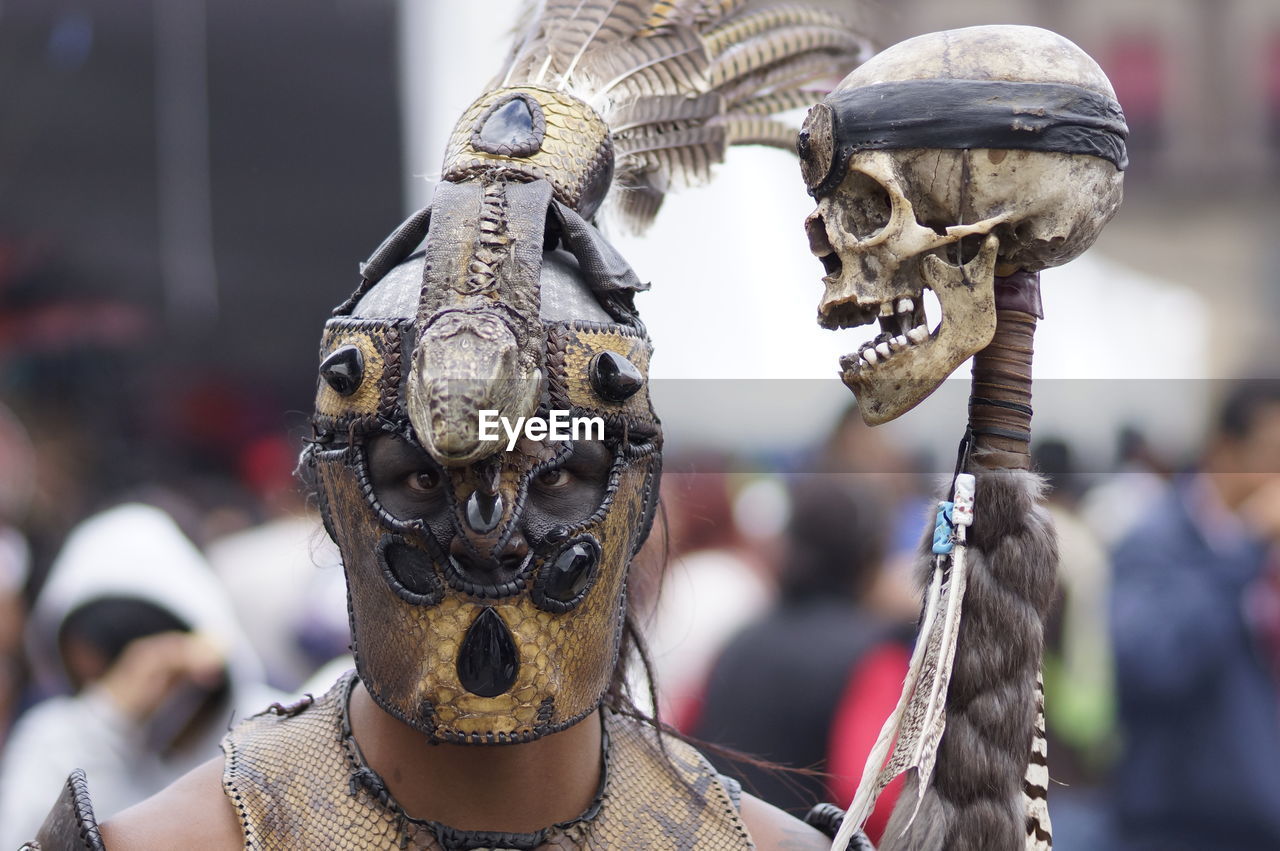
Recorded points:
(192, 813)
(771, 828)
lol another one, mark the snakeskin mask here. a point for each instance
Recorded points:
(486, 586)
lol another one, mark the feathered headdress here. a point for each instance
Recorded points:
(618, 98)
(648, 94)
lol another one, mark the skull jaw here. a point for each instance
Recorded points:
(895, 385)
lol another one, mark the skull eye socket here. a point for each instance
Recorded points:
(960, 252)
(865, 206)
(963, 250)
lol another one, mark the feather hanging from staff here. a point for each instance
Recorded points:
(678, 81)
(980, 778)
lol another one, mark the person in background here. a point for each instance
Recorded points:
(714, 581)
(133, 623)
(873, 459)
(284, 576)
(17, 485)
(1118, 501)
(1194, 627)
(14, 562)
(819, 641)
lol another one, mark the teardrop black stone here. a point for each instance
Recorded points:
(569, 573)
(614, 378)
(487, 659)
(343, 370)
(484, 510)
(509, 124)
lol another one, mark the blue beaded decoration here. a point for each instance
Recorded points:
(942, 529)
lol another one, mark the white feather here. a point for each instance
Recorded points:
(864, 800)
(919, 720)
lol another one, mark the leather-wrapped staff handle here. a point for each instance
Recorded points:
(1000, 396)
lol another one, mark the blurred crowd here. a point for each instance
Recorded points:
(780, 596)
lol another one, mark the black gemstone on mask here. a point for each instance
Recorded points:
(614, 378)
(411, 570)
(343, 370)
(510, 124)
(568, 574)
(484, 510)
(487, 659)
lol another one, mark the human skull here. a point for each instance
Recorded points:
(946, 219)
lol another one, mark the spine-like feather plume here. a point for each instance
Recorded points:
(794, 73)
(672, 63)
(691, 13)
(742, 28)
(750, 130)
(686, 154)
(677, 81)
(781, 101)
(663, 109)
(777, 46)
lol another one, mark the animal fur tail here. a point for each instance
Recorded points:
(978, 798)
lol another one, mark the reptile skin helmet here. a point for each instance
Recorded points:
(486, 585)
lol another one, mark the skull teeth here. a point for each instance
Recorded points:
(903, 325)
(884, 346)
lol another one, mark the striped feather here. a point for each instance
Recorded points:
(753, 130)
(560, 32)
(677, 81)
(665, 13)
(1035, 785)
(780, 101)
(886, 759)
(686, 155)
(662, 109)
(796, 73)
(742, 28)
(672, 63)
(779, 46)
(571, 26)
(522, 33)
(636, 205)
(695, 14)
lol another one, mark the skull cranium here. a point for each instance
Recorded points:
(948, 220)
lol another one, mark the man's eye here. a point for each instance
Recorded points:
(423, 481)
(552, 479)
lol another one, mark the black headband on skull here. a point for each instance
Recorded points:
(958, 115)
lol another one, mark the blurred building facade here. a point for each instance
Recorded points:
(186, 188)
